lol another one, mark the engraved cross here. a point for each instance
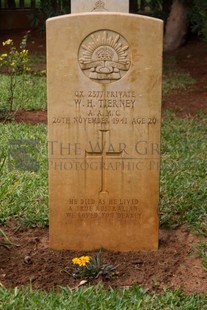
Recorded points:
(103, 154)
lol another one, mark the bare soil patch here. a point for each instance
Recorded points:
(30, 261)
(32, 117)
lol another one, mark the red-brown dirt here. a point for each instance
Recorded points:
(32, 117)
(192, 58)
(172, 266)
(30, 261)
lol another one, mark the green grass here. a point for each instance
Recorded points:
(98, 298)
(23, 194)
(37, 58)
(176, 80)
(201, 250)
(183, 175)
(173, 77)
(31, 96)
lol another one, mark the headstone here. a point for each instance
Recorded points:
(104, 98)
(79, 6)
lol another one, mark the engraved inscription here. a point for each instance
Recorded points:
(110, 209)
(105, 107)
(107, 117)
(104, 56)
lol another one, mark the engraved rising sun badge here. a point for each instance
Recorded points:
(104, 56)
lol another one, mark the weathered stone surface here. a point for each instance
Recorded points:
(79, 6)
(104, 93)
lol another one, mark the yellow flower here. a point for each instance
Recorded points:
(81, 261)
(3, 55)
(7, 42)
(85, 259)
(75, 261)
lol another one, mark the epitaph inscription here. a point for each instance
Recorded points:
(104, 56)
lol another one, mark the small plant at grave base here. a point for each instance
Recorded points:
(14, 63)
(86, 267)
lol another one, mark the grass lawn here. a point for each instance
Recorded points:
(97, 298)
(30, 95)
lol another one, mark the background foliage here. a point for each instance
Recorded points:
(198, 17)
